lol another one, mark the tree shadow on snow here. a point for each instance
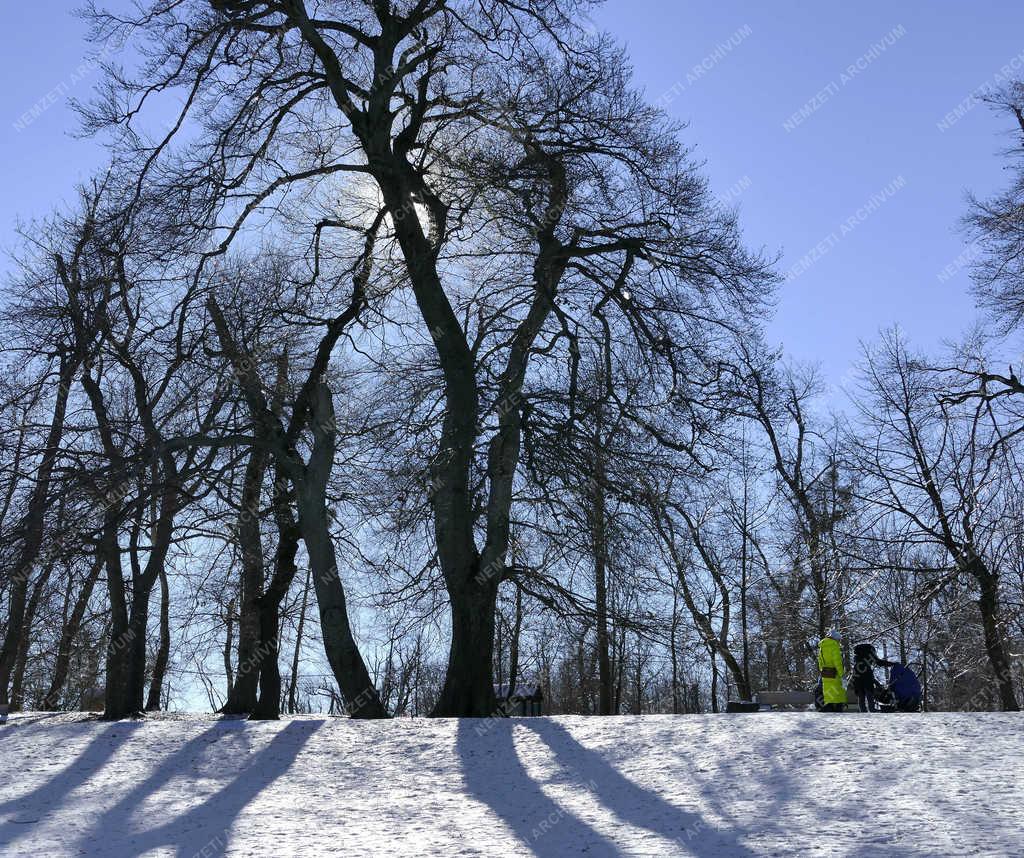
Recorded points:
(25, 811)
(642, 808)
(205, 828)
(494, 775)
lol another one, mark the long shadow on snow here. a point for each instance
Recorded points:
(47, 796)
(639, 807)
(207, 825)
(770, 791)
(494, 774)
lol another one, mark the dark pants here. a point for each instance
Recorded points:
(866, 697)
(834, 707)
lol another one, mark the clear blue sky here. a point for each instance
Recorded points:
(874, 79)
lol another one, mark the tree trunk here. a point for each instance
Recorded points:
(513, 644)
(229, 645)
(714, 680)
(17, 685)
(618, 671)
(32, 529)
(163, 652)
(117, 702)
(924, 678)
(310, 483)
(136, 686)
(673, 651)
(293, 680)
(126, 671)
(819, 584)
(242, 697)
(268, 706)
(468, 691)
(744, 561)
(361, 697)
(604, 666)
(988, 605)
(68, 634)
(638, 681)
(126, 664)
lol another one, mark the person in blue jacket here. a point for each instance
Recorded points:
(905, 688)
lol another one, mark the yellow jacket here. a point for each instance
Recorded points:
(831, 656)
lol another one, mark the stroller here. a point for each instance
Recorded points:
(904, 688)
(885, 700)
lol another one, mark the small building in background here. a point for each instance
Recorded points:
(525, 700)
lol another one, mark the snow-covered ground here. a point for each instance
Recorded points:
(736, 785)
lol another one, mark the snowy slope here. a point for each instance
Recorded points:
(769, 784)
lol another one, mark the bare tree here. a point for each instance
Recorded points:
(938, 466)
(995, 226)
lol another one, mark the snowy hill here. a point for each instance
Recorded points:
(770, 784)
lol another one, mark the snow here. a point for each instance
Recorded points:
(715, 785)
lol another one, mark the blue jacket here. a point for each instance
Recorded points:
(904, 683)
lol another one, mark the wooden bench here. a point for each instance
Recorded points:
(784, 698)
(772, 699)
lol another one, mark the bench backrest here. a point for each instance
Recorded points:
(785, 698)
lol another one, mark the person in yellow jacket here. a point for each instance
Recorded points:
(830, 666)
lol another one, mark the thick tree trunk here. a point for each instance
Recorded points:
(135, 692)
(988, 605)
(468, 691)
(126, 666)
(126, 653)
(51, 700)
(268, 706)
(361, 697)
(242, 697)
(117, 702)
(743, 690)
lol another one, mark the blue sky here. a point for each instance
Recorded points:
(869, 127)
(821, 120)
